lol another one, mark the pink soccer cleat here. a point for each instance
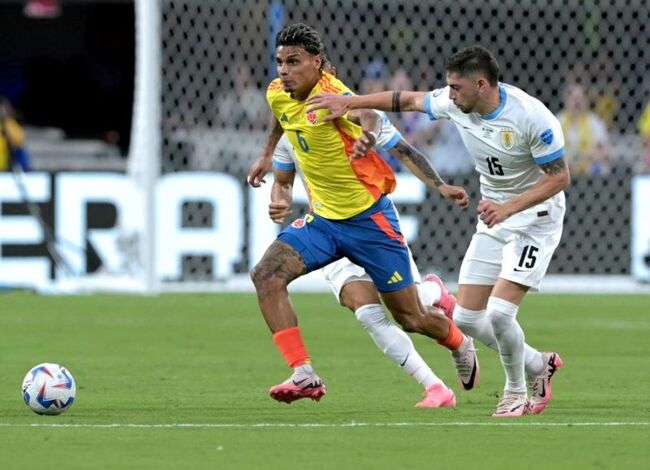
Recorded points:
(540, 385)
(447, 302)
(437, 396)
(303, 383)
(512, 405)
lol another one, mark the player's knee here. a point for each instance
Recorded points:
(355, 295)
(499, 320)
(265, 279)
(501, 313)
(350, 300)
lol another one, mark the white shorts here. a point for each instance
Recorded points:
(344, 271)
(518, 250)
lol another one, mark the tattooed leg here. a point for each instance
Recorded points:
(280, 265)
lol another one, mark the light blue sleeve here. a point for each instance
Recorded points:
(436, 103)
(389, 134)
(283, 157)
(546, 137)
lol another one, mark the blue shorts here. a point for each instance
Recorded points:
(371, 239)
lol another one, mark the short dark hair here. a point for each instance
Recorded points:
(301, 35)
(475, 59)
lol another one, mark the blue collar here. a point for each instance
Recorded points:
(503, 97)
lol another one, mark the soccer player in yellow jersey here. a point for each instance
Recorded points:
(350, 216)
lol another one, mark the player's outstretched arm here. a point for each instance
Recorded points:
(556, 178)
(262, 165)
(281, 195)
(420, 166)
(393, 101)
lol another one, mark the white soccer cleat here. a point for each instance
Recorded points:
(466, 363)
(540, 385)
(512, 405)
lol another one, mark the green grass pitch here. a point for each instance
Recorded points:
(180, 382)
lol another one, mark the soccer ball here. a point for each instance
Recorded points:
(49, 389)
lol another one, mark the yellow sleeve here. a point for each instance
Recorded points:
(644, 122)
(15, 132)
(271, 92)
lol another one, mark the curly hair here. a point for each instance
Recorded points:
(301, 35)
(475, 59)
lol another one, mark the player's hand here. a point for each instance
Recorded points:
(258, 171)
(492, 213)
(363, 145)
(279, 210)
(336, 104)
(456, 194)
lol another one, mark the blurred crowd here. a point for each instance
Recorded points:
(587, 116)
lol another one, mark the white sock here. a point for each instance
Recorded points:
(429, 293)
(534, 361)
(475, 323)
(510, 338)
(395, 344)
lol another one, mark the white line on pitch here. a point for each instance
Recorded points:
(316, 425)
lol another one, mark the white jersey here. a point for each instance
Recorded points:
(284, 157)
(507, 144)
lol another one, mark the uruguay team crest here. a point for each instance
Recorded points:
(312, 117)
(507, 135)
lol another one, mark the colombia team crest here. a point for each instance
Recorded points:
(298, 223)
(507, 137)
(312, 117)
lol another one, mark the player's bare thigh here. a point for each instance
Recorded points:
(280, 263)
(475, 297)
(510, 291)
(356, 294)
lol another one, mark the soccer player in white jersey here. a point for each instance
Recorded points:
(355, 290)
(518, 148)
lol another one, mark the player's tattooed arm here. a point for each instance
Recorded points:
(555, 167)
(417, 162)
(420, 166)
(556, 177)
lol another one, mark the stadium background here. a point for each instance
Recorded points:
(538, 45)
(541, 46)
(180, 380)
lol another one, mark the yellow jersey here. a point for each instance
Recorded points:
(338, 186)
(644, 122)
(17, 137)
